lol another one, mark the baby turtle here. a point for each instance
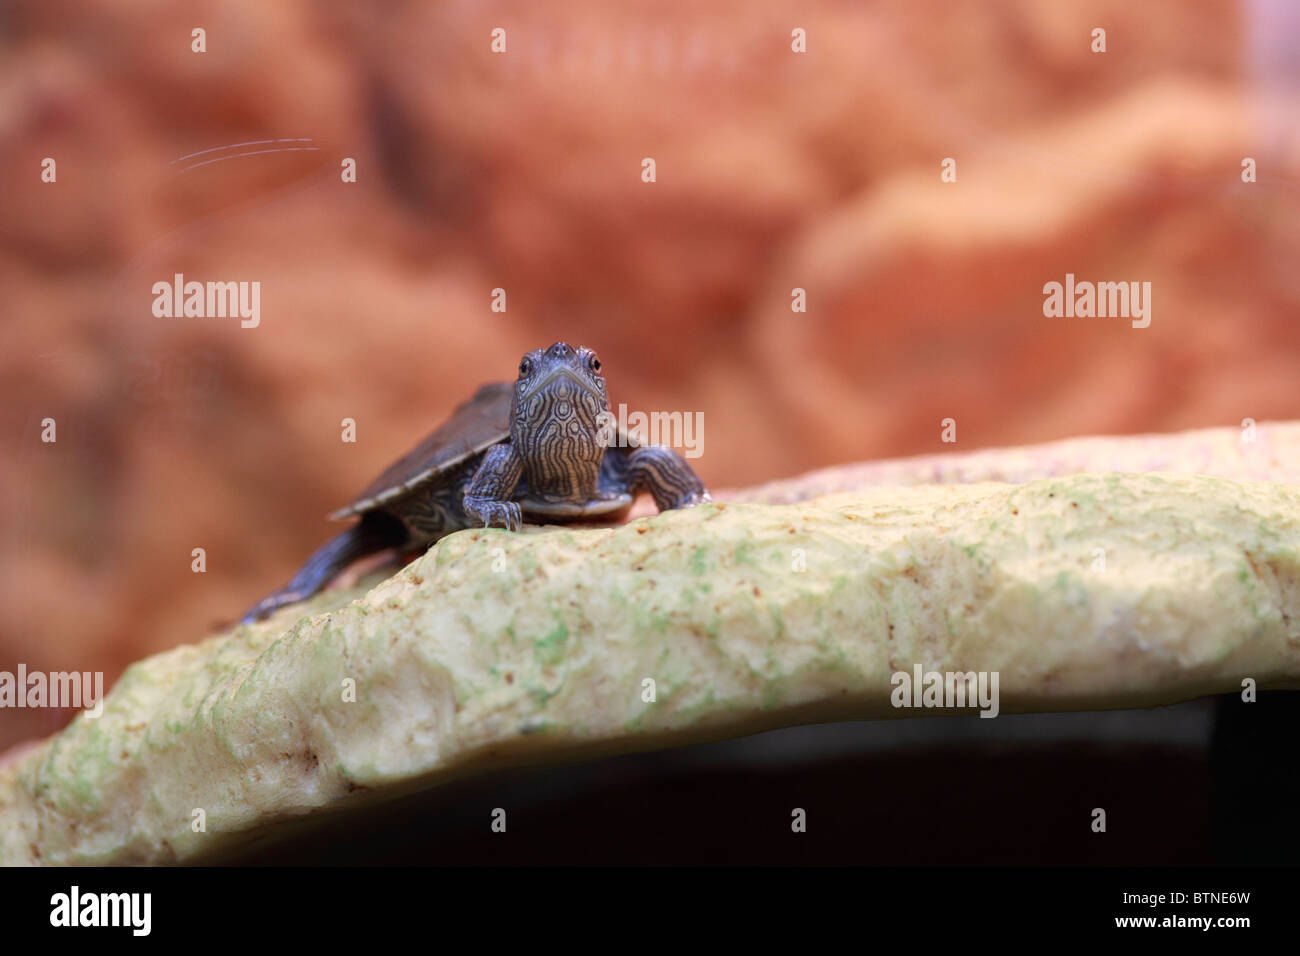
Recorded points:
(540, 448)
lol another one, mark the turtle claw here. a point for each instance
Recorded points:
(502, 514)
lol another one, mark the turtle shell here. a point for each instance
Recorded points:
(476, 425)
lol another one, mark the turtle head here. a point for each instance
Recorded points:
(559, 400)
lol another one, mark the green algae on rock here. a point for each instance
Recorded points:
(496, 648)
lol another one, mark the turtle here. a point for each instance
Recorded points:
(541, 448)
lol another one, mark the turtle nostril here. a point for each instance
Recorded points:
(560, 350)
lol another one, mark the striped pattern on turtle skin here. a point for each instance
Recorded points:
(663, 473)
(532, 448)
(556, 432)
(437, 509)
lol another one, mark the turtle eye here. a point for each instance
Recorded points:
(525, 368)
(593, 363)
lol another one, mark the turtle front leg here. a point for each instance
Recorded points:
(487, 498)
(665, 474)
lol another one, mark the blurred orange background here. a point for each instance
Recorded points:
(522, 170)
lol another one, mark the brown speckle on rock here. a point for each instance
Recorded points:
(510, 677)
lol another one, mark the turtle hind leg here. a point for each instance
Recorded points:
(375, 532)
